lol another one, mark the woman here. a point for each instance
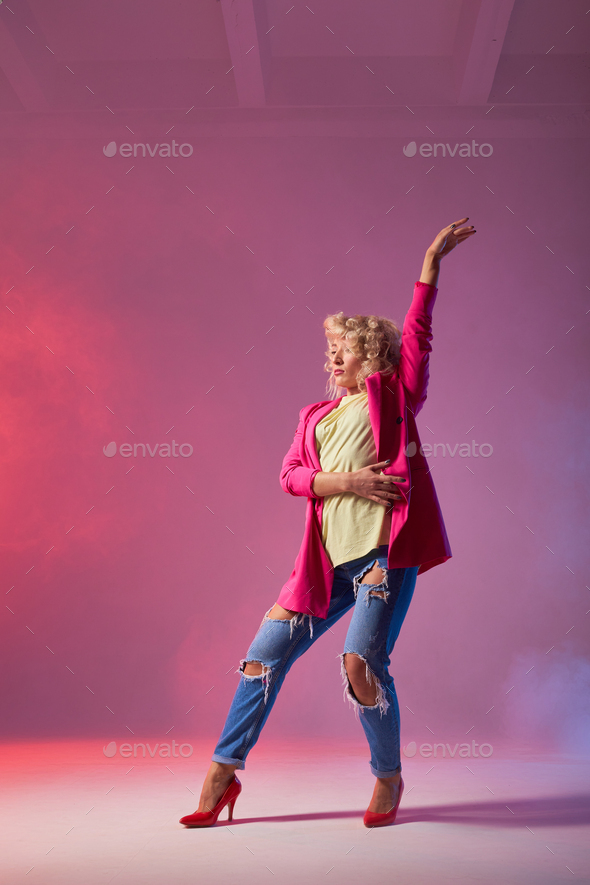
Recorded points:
(372, 525)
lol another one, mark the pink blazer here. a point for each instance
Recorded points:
(418, 535)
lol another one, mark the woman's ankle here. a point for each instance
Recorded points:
(395, 779)
(221, 771)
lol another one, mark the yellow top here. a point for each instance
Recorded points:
(351, 525)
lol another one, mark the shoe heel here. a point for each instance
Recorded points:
(209, 818)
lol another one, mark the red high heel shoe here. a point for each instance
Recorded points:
(373, 819)
(208, 818)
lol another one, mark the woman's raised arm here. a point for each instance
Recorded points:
(415, 351)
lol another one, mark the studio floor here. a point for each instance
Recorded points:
(75, 816)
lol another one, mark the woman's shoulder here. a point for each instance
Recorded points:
(382, 379)
(312, 407)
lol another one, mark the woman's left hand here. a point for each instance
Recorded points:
(448, 238)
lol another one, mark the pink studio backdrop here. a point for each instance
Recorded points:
(182, 299)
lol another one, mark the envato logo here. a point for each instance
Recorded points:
(462, 150)
(163, 750)
(464, 750)
(465, 449)
(162, 150)
(164, 450)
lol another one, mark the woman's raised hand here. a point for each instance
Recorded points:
(369, 482)
(449, 237)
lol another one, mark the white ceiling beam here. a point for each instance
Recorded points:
(478, 44)
(246, 28)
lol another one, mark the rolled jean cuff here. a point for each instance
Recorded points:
(385, 773)
(239, 763)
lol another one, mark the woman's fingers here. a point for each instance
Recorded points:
(460, 232)
(388, 482)
(387, 493)
(386, 464)
(391, 480)
(395, 495)
(388, 475)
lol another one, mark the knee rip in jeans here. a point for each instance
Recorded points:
(380, 698)
(295, 621)
(372, 590)
(264, 675)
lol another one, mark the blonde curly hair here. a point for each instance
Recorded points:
(374, 340)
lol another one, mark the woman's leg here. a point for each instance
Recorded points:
(220, 774)
(382, 599)
(282, 637)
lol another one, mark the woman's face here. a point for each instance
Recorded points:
(345, 365)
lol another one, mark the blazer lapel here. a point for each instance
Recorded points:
(384, 408)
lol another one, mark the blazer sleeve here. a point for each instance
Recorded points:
(295, 478)
(415, 345)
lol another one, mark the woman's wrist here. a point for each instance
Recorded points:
(430, 268)
(331, 483)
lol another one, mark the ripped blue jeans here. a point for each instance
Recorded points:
(374, 628)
